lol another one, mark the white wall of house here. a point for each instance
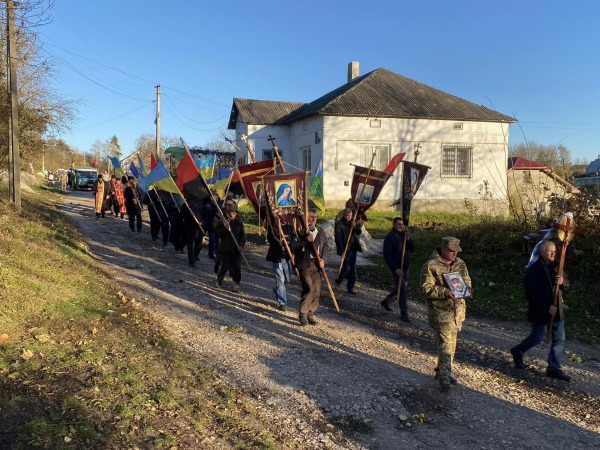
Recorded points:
(346, 140)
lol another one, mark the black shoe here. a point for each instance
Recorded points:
(558, 374)
(436, 376)
(311, 319)
(193, 265)
(282, 307)
(303, 320)
(219, 283)
(132, 230)
(386, 306)
(211, 256)
(154, 239)
(405, 318)
(197, 259)
(445, 386)
(216, 268)
(518, 359)
(165, 244)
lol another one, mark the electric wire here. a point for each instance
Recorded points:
(193, 128)
(192, 120)
(188, 103)
(110, 120)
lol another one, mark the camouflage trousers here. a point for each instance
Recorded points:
(445, 338)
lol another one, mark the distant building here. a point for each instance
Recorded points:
(463, 143)
(592, 175)
(535, 183)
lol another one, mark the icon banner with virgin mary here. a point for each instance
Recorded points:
(287, 198)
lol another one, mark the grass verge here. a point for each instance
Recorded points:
(82, 366)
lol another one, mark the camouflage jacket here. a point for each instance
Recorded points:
(441, 309)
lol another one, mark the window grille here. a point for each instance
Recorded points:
(457, 161)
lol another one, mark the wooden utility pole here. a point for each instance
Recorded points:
(157, 121)
(14, 157)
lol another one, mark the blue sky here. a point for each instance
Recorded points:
(536, 59)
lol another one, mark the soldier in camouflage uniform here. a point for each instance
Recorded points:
(444, 313)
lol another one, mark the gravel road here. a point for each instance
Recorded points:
(356, 379)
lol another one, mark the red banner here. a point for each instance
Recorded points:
(287, 196)
(251, 181)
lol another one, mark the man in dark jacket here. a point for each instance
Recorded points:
(133, 195)
(310, 268)
(541, 280)
(193, 234)
(392, 252)
(342, 230)
(176, 234)
(231, 256)
(159, 221)
(282, 266)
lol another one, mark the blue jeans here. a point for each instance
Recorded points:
(538, 333)
(349, 269)
(283, 275)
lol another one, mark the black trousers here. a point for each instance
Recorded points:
(158, 223)
(231, 261)
(177, 233)
(193, 238)
(134, 212)
(311, 290)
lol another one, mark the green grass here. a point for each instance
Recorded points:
(74, 373)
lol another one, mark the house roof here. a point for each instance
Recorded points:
(379, 93)
(519, 163)
(260, 112)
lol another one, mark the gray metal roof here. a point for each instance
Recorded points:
(379, 93)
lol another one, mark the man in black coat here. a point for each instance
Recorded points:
(310, 268)
(159, 221)
(541, 280)
(392, 253)
(282, 266)
(342, 230)
(229, 252)
(133, 195)
(193, 234)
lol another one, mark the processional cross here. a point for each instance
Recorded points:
(276, 151)
(245, 139)
(568, 232)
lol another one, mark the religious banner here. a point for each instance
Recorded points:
(287, 197)
(369, 187)
(251, 181)
(413, 175)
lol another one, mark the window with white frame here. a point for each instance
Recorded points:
(382, 155)
(306, 158)
(457, 160)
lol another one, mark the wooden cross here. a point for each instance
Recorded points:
(245, 139)
(272, 139)
(275, 150)
(569, 231)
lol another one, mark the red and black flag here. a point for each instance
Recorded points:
(153, 161)
(190, 183)
(287, 198)
(413, 175)
(372, 188)
(251, 181)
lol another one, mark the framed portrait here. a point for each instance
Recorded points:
(285, 194)
(258, 192)
(367, 195)
(414, 179)
(457, 285)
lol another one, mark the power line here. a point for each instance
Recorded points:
(192, 120)
(193, 128)
(191, 104)
(111, 119)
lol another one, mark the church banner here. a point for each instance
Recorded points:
(251, 181)
(287, 197)
(372, 188)
(413, 175)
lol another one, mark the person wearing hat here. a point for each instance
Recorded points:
(343, 228)
(229, 252)
(445, 312)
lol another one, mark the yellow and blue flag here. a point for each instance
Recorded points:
(206, 166)
(220, 182)
(160, 178)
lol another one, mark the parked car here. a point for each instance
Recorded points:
(85, 177)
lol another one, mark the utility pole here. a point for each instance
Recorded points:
(14, 157)
(157, 121)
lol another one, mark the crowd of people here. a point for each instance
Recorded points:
(445, 282)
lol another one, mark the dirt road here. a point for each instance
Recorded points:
(356, 379)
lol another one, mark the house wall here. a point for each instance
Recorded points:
(343, 135)
(534, 187)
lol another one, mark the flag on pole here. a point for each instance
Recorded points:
(413, 175)
(134, 170)
(231, 142)
(206, 166)
(221, 181)
(143, 171)
(372, 188)
(190, 183)
(177, 152)
(160, 178)
(394, 162)
(153, 162)
(287, 198)
(315, 195)
(116, 164)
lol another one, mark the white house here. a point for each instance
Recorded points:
(463, 143)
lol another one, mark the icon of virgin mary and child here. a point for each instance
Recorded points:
(285, 195)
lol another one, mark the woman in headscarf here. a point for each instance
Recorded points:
(284, 196)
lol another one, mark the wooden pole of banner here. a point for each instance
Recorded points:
(356, 214)
(192, 214)
(161, 203)
(276, 150)
(312, 244)
(176, 204)
(287, 248)
(245, 139)
(401, 265)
